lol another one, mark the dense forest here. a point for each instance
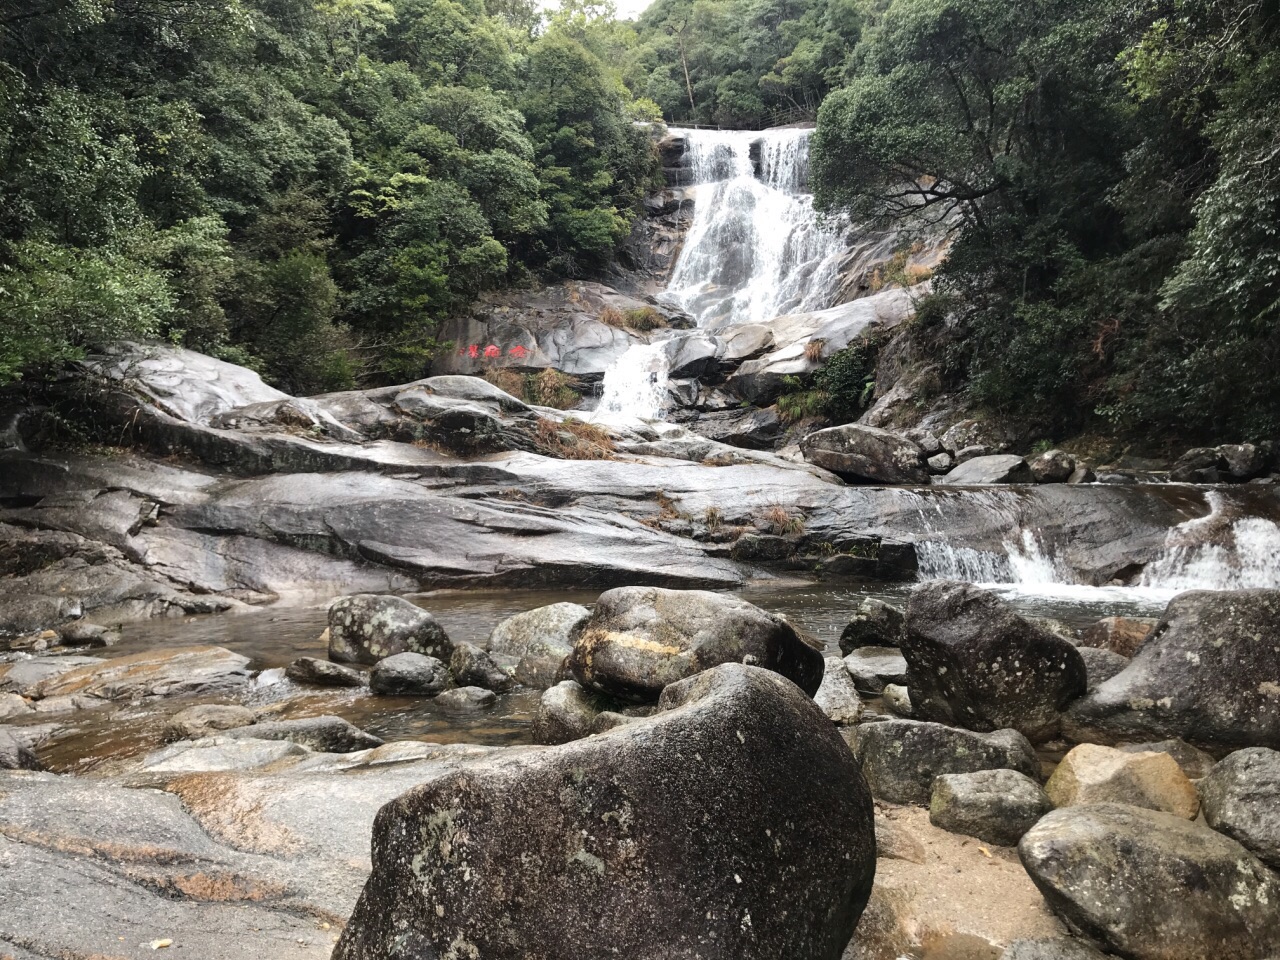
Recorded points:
(309, 186)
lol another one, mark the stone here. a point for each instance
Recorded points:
(640, 639)
(836, 696)
(940, 463)
(1241, 798)
(15, 755)
(1208, 674)
(874, 667)
(1195, 763)
(1122, 635)
(24, 677)
(1199, 465)
(1051, 949)
(219, 754)
(408, 675)
(1053, 466)
(324, 673)
(997, 806)
(12, 705)
(322, 734)
(896, 842)
(565, 712)
(1083, 473)
(466, 699)
(973, 661)
(901, 758)
(874, 624)
(990, 469)
(80, 633)
(897, 700)
(1101, 665)
(171, 671)
(621, 820)
(1152, 886)
(542, 638)
(1091, 773)
(1243, 461)
(207, 719)
(473, 667)
(366, 628)
(863, 454)
(965, 454)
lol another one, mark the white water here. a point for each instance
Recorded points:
(754, 251)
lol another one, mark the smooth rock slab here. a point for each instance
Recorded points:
(901, 758)
(1152, 886)
(367, 627)
(1241, 798)
(983, 470)
(997, 806)
(700, 832)
(641, 639)
(220, 754)
(175, 671)
(1096, 774)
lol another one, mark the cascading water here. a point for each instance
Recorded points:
(756, 250)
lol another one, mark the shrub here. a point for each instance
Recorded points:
(574, 440)
(781, 522)
(551, 388)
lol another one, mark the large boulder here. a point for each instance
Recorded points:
(1208, 674)
(1152, 886)
(542, 639)
(862, 454)
(1095, 774)
(983, 470)
(409, 675)
(901, 758)
(640, 639)
(367, 627)
(1052, 466)
(1241, 798)
(473, 667)
(700, 832)
(997, 806)
(874, 623)
(1195, 763)
(974, 662)
(565, 712)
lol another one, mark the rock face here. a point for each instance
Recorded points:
(1242, 799)
(997, 806)
(15, 755)
(640, 639)
(982, 470)
(654, 841)
(1122, 635)
(542, 638)
(862, 454)
(366, 627)
(1208, 674)
(1097, 774)
(974, 662)
(1101, 665)
(409, 675)
(901, 758)
(171, 672)
(837, 697)
(1152, 886)
(874, 624)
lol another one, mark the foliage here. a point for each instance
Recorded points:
(574, 440)
(839, 391)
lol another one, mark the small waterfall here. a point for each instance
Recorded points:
(1220, 551)
(1023, 562)
(635, 384)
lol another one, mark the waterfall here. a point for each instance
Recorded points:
(1220, 551)
(636, 383)
(1023, 561)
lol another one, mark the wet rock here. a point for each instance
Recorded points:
(175, 671)
(82, 634)
(874, 624)
(763, 547)
(565, 712)
(1053, 466)
(1200, 465)
(14, 754)
(901, 758)
(366, 627)
(1101, 665)
(465, 699)
(1194, 763)
(324, 673)
(874, 667)
(995, 468)
(1243, 461)
(997, 806)
(1209, 674)
(1241, 798)
(1082, 474)
(1054, 949)
(974, 662)
(749, 429)
(897, 699)
(220, 753)
(473, 667)
(836, 696)
(1152, 886)
(970, 433)
(615, 820)
(862, 454)
(322, 734)
(207, 719)
(1095, 774)
(409, 675)
(543, 639)
(1122, 635)
(640, 639)
(12, 705)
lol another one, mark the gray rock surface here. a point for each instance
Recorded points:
(1241, 798)
(872, 668)
(1092, 773)
(542, 639)
(640, 639)
(15, 755)
(409, 675)
(973, 661)
(1052, 466)
(897, 700)
(837, 697)
(322, 734)
(1195, 763)
(874, 624)
(173, 671)
(566, 712)
(901, 758)
(997, 806)
(473, 667)
(1121, 635)
(620, 837)
(365, 628)
(983, 470)
(1057, 949)
(207, 719)
(1100, 665)
(1109, 869)
(862, 454)
(324, 673)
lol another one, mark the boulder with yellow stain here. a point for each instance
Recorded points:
(1096, 774)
